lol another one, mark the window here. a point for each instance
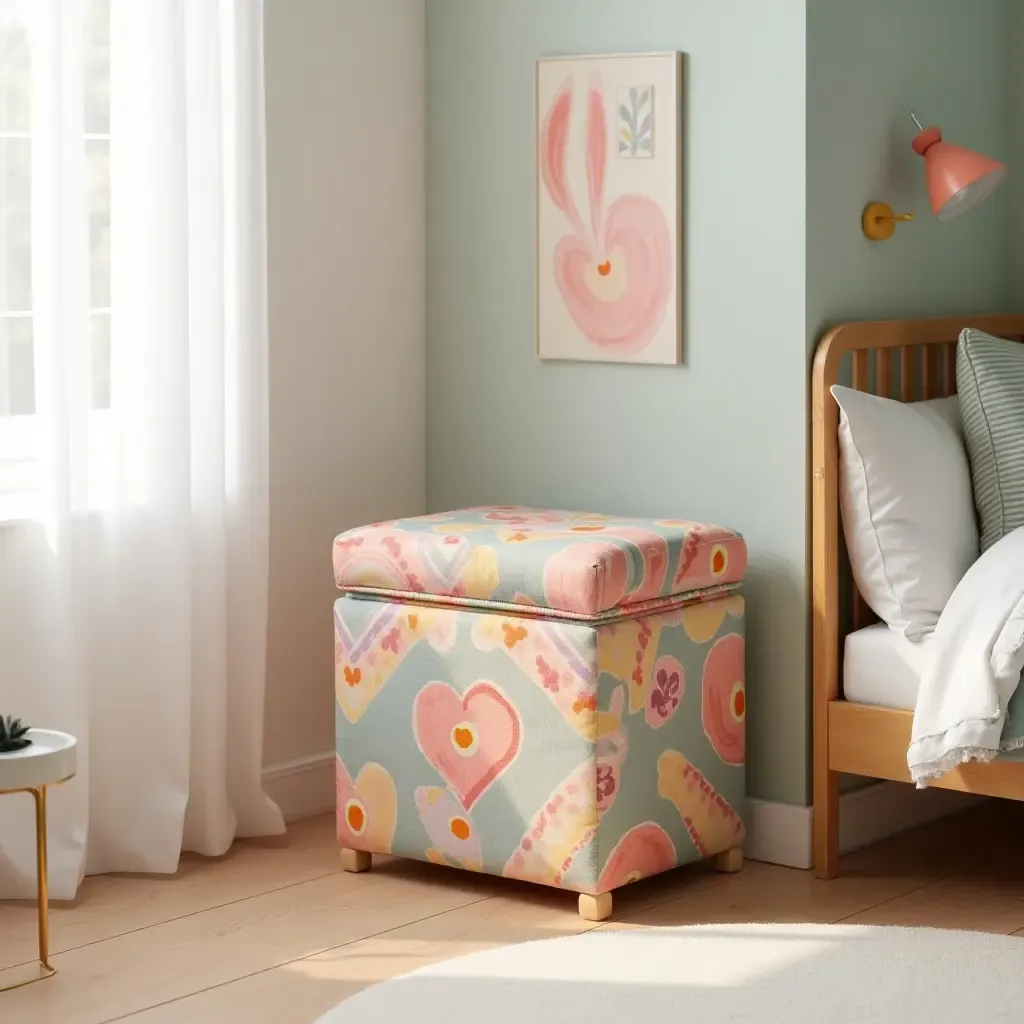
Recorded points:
(17, 377)
(18, 92)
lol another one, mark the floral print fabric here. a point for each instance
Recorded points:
(566, 753)
(577, 564)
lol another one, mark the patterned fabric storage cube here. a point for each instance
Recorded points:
(550, 696)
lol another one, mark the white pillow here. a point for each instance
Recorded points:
(907, 505)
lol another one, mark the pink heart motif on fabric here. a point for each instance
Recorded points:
(470, 740)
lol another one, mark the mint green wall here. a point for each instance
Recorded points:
(1015, 129)
(723, 437)
(796, 116)
(869, 62)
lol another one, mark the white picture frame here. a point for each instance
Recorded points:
(608, 232)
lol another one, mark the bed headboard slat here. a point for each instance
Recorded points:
(860, 370)
(906, 374)
(949, 369)
(883, 372)
(927, 376)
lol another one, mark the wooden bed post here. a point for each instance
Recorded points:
(824, 603)
(826, 822)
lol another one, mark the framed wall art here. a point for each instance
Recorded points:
(609, 208)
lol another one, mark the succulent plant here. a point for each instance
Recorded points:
(13, 735)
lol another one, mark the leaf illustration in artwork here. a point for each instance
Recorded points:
(635, 114)
(623, 147)
(645, 145)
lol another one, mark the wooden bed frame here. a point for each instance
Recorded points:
(906, 360)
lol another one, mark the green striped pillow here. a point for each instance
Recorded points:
(990, 379)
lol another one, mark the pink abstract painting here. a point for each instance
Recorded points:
(608, 201)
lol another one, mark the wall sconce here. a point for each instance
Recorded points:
(957, 179)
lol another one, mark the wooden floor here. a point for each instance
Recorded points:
(275, 933)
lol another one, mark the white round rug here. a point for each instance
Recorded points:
(768, 974)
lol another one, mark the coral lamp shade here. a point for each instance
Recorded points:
(958, 179)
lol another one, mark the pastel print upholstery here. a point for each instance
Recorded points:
(579, 565)
(575, 750)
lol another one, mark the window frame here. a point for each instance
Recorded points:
(21, 435)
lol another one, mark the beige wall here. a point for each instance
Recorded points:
(345, 123)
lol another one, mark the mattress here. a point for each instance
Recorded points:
(882, 667)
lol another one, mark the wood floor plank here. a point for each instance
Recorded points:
(275, 932)
(303, 990)
(111, 905)
(776, 894)
(122, 975)
(517, 912)
(973, 904)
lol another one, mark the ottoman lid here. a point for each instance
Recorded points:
(574, 563)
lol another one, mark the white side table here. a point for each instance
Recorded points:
(50, 760)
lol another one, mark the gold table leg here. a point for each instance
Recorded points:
(47, 970)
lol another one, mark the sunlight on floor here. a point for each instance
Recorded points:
(714, 961)
(381, 958)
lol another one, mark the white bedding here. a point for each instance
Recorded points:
(973, 667)
(959, 682)
(882, 667)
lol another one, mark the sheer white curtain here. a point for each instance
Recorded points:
(133, 611)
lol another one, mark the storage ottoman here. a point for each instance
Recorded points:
(550, 696)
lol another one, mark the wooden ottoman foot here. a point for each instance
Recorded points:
(596, 908)
(728, 862)
(355, 861)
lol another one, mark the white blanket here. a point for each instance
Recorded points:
(975, 658)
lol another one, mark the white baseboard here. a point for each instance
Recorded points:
(302, 788)
(782, 834)
(776, 833)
